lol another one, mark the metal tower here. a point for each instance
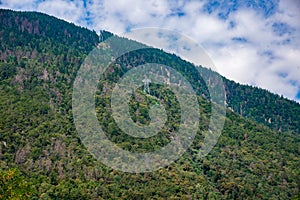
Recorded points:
(146, 82)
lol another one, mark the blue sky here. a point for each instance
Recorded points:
(253, 42)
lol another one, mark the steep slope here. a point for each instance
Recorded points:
(40, 56)
(259, 105)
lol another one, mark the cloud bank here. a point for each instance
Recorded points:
(251, 42)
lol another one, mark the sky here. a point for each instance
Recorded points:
(254, 42)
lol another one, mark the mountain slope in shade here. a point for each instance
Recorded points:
(40, 148)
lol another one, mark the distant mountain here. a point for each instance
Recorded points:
(42, 156)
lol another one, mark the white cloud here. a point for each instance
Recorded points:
(70, 11)
(259, 56)
(18, 5)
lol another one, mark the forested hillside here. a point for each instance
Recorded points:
(42, 156)
(259, 105)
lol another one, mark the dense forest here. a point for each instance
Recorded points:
(43, 157)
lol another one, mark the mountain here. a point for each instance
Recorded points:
(43, 157)
(261, 106)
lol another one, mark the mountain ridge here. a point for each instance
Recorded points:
(38, 136)
(238, 95)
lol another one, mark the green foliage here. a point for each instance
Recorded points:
(264, 107)
(40, 56)
(13, 185)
